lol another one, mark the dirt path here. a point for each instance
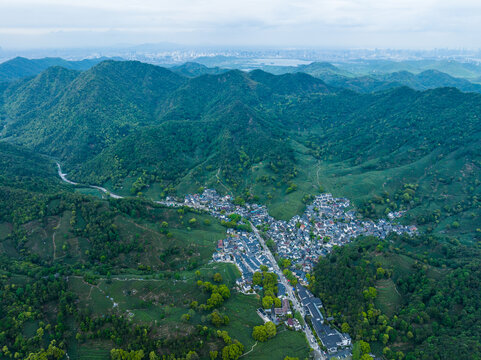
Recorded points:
(252, 348)
(317, 174)
(220, 182)
(100, 188)
(143, 227)
(90, 292)
(395, 288)
(53, 239)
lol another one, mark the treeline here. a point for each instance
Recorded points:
(438, 313)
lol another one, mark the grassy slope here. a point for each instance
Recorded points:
(148, 298)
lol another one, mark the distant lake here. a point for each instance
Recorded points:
(279, 62)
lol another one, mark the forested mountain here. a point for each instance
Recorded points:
(121, 121)
(316, 69)
(291, 84)
(429, 79)
(87, 111)
(20, 67)
(65, 257)
(192, 69)
(394, 294)
(465, 70)
(148, 132)
(379, 80)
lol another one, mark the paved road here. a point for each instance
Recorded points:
(290, 292)
(318, 355)
(64, 178)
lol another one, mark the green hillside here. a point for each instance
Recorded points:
(20, 67)
(376, 76)
(75, 268)
(376, 81)
(466, 70)
(428, 79)
(88, 275)
(87, 112)
(251, 134)
(403, 296)
(192, 69)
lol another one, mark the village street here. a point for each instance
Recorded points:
(327, 222)
(318, 354)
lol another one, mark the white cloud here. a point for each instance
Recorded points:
(383, 23)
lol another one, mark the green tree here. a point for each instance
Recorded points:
(271, 329)
(365, 347)
(257, 278)
(232, 351)
(218, 319)
(259, 333)
(370, 293)
(153, 356)
(215, 300)
(267, 302)
(224, 291)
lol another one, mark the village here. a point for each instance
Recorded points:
(326, 222)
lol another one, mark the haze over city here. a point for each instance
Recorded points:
(412, 24)
(226, 180)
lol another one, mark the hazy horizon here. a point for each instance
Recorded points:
(425, 24)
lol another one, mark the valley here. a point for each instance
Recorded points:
(189, 208)
(302, 254)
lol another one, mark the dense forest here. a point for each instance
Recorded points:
(416, 298)
(138, 128)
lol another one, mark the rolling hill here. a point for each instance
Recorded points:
(468, 71)
(192, 69)
(20, 67)
(119, 122)
(75, 267)
(379, 80)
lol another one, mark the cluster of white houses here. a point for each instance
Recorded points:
(327, 221)
(332, 339)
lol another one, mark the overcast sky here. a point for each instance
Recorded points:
(284, 23)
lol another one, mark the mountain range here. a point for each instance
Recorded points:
(148, 132)
(248, 132)
(21, 67)
(386, 77)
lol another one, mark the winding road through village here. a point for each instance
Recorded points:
(317, 352)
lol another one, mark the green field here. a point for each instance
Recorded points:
(162, 302)
(241, 310)
(388, 297)
(95, 350)
(286, 343)
(5, 230)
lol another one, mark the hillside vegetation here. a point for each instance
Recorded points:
(20, 67)
(251, 134)
(75, 268)
(94, 278)
(412, 298)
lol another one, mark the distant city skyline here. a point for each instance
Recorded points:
(408, 24)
